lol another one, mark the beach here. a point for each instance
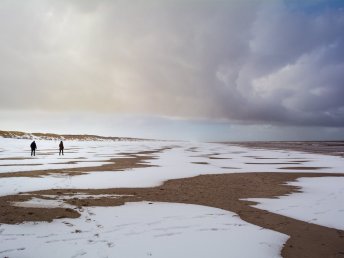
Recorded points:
(233, 178)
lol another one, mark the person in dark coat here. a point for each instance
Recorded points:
(61, 147)
(33, 148)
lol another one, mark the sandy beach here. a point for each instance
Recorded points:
(218, 190)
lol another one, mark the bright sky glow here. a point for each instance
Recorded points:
(205, 70)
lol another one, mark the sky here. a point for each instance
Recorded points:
(174, 69)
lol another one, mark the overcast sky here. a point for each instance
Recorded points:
(189, 69)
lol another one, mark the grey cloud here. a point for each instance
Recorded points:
(246, 61)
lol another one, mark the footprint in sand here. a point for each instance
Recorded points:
(11, 250)
(79, 253)
(168, 234)
(110, 244)
(68, 224)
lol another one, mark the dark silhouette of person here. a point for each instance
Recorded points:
(61, 147)
(33, 148)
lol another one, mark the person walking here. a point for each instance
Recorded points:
(33, 148)
(61, 148)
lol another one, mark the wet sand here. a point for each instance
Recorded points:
(320, 147)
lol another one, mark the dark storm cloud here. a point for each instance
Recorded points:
(245, 61)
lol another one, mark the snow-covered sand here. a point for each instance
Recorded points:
(143, 230)
(178, 162)
(132, 230)
(320, 202)
(15, 156)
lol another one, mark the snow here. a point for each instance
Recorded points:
(81, 196)
(194, 231)
(172, 164)
(321, 202)
(143, 230)
(57, 201)
(16, 157)
(42, 203)
(16, 154)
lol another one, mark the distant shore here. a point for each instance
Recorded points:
(335, 148)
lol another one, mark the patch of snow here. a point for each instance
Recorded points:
(321, 202)
(143, 230)
(42, 203)
(81, 196)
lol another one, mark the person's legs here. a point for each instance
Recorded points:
(34, 152)
(31, 152)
